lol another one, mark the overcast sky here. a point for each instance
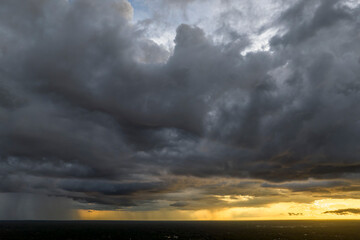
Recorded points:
(179, 109)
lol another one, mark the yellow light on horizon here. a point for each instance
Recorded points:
(276, 211)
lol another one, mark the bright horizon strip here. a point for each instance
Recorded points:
(276, 211)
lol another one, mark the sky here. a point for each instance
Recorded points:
(179, 109)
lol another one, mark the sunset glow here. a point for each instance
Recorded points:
(277, 211)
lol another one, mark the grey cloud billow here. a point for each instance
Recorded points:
(90, 109)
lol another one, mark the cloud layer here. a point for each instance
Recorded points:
(344, 211)
(93, 110)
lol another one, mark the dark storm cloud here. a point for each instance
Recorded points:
(348, 211)
(179, 204)
(107, 188)
(90, 109)
(309, 185)
(326, 14)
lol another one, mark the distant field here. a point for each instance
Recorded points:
(257, 230)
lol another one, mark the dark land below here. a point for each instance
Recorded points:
(199, 230)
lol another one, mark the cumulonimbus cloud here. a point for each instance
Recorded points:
(93, 110)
